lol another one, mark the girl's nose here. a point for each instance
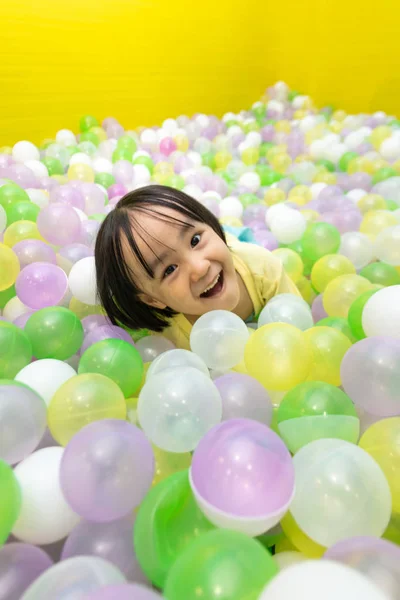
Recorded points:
(199, 268)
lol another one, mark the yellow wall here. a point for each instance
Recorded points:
(145, 60)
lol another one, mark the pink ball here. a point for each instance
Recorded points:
(41, 284)
(31, 251)
(123, 172)
(66, 194)
(167, 146)
(117, 189)
(95, 198)
(59, 224)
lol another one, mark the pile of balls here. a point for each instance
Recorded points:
(265, 463)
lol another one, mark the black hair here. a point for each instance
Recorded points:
(116, 288)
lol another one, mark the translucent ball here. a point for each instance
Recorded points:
(54, 332)
(23, 421)
(286, 308)
(36, 376)
(320, 239)
(41, 284)
(288, 226)
(231, 207)
(177, 358)
(45, 516)
(177, 407)
(116, 468)
(82, 400)
(24, 151)
(243, 397)
(219, 338)
(82, 280)
(291, 261)
(341, 292)
(387, 246)
(151, 346)
(357, 247)
(9, 267)
(328, 347)
(381, 314)
(20, 565)
(329, 508)
(242, 476)
(328, 268)
(376, 221)
(15, 350)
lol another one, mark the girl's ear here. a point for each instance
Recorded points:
(150, 301)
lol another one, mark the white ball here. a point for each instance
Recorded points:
(229, 116)
(274, 211)
(82, 280)
(38, 197)
(193, 190)
(277, 106)
(177, 358)
(390, 148)
(45, 516)
(141, 174)
(288, 558)
(14, 309)
(357, 247)
(23, 151)
(251, 181)
(308, 123)
(233, 130)
(335, 152)
(45, 376)
(148, 137)
(354, 139)
(107, 147)
(254, 139)
(170, 125)
(139, 153)
(202, 120)
(195, 157)
(80, 158)
(211, 195)
(65, 137)
(231, 207)
(83, 216)
(288, 226)
(387, 246)
(321, 580)
(37, 167)
(316, 189)
(100, 164)
(381, 314)
(317, 149)
(356, 194)
(299, 101)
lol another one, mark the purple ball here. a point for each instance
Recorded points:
(343, 181)
(266, 239)
(22, 319)
(105, 332)
(48, 183)
(109, 121)
(360, 180)
(182, 162)
(31, 251)
(95, 198)
(255, 213)
(111, 541)
(90, 229)
(20, 565)
(92, 322)
(243, 397)
(243, 468)
(217, 184)
(41, 284)
(23, 176)
(106, 470)
(115, 130)
(123, 172)
(66, 194)
(317, 309)
(6, 160)
(59, 224)
(75, 252)
(268, 133)
(123, 592)
(348, 220)
(329, 192)
(117, 189)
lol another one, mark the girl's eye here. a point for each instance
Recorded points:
(195, 240)
(169, 270)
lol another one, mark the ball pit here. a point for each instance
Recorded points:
(275, 439)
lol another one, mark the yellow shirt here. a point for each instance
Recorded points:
(263, 275)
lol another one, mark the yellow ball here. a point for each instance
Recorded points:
(283, 126)
(81, 400)
(396, 166)
(21, 230)
(81, 172)
(328, 267)
(182, 142)
(300, 114)
(360, 164)
(379, 134)
(303, 158)
(281, 162)
(9, 267)
(99, 131)
(341, 292)
(84, 310)
(292, 262)
(231, 221)
(382, 442)
(339, 115)
(315, 133)
(301, 194)
(275, 150)
(278, 356)
(306, 290)
(311, 216)
(371, 202)
(222, 159)
(379, 163)
(162, 172)
(250, 156)
(60, 178)
(336, 126)
(168, 463)
(274, 196)
(325, 177)
(299, 539)
(328, 347)
(376, 221)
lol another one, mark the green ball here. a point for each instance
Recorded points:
(55, 332)
(73, 150)
(292, 95)
(208, 160)
(167, 521)
(392, 205)
(121, 154)
(117, 360)
(270, 177)
(383, 174)
(176, 181)
(125, 142)
(381, 273)
(345, 159)
(298, 247)
(232, 123)
(252, 126)
(98, 217)
(10, 193)
(259, 111)
(320, 239)
(323, 162)
(6, 295)
(394, 123)
(219, 565)
(265, 146)
(248, 199)
(144, 160)
(89, 136)
(88, 121)
(314, 410)
(22, 211)
(104, 179)
(15, 350)
(355, 314)
(339, 323)
(10, 504)
(53, 165)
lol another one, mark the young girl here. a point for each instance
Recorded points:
(162, 261)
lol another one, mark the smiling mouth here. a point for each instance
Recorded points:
(215, 287)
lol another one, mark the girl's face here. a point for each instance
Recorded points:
(193, 268)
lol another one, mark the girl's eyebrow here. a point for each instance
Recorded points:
(160, 258)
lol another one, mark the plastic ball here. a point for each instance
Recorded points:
(54, 332)
(31, 251)
(278, 356)
(20, 565)
(116, 464)
(9, 267)
(81, 574)
(387, 246)
(82, 280)
(82, 400)
(250, 486)
(59, 224)
(341, 292)
(328, 347)
(187, 405)
(329, 508)
(169, 463)
(376, 221)
(221, 563)
(357, 247)
(288, 226)
(22, 211)
(24, 151)
(10, 500)
(315, 410)
(103, 331)
(36, 376)
(381, 274)
(45, 516)
(10, 193)
(274, 196)
(41, 284)
(381, 442)
(81, 172)
(243, 397)
(320, 239)
(219, 338)
(20, 230)
(177, 358)
(328, 268)
(15, 350)
(151, 346)
(286, 308)
(291, 261)
(354, 317)
(381, 314)
(123, 592)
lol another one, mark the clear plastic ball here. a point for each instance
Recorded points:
(286, 308)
